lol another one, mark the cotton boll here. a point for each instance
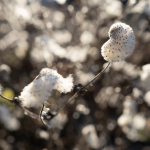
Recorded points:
(124, 120)
(139, 122)
(10, 121)
(130, 107)
(112, 8)
(42, 134)
(120, 44)
(63, 85)
(147, 98)
(129, 110)
(82, 109)
(87, 37)
(22, 12)
(137, 93)
(132, 123)
(145, 77)
(63, 36)
(91, 137)
(39, 91)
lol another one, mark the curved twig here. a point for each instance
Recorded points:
(96, 77)
(29, 113)
(41, 114)
(71, 99)
(16, 102)
(77, 93)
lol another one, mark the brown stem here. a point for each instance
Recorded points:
(77, 93)
(41, 114)
(96, 77)
(11, 100)
(16, 102)
(71, 99)
(29, 113)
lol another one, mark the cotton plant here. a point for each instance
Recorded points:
(119, 46)
(39, 91)
(116, 49)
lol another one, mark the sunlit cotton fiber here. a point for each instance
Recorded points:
(63, 85)
(120, 44)
(39, 91)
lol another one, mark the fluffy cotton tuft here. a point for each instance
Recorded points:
(63, 85)
(39, 91)
(120, 44)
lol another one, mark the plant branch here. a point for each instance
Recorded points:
(71, 99)
(29, 113)
(10, 100)
(16, 102)
(82, 88)
(41, 114)
(96, 77)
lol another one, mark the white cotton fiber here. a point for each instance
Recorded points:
(39, 91)
(120, 44)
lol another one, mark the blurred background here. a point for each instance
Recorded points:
(67, 35)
